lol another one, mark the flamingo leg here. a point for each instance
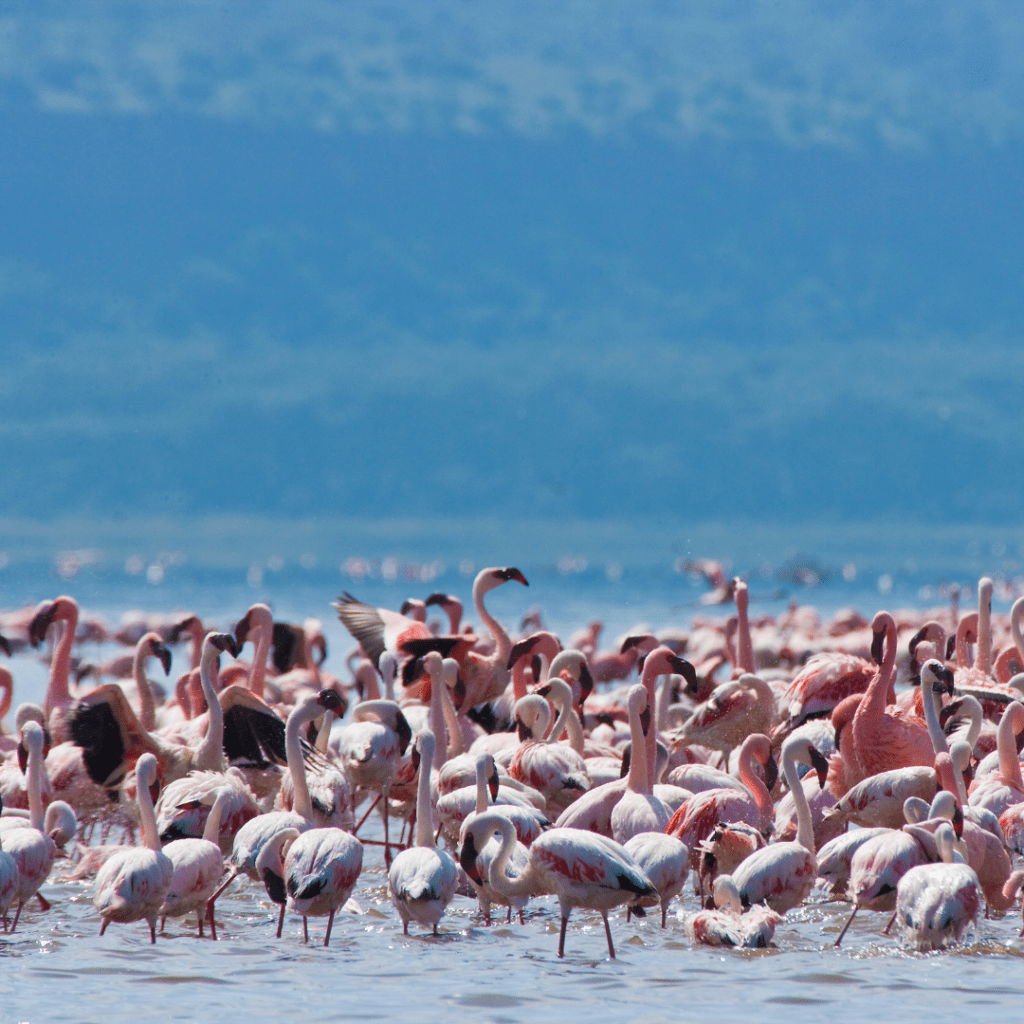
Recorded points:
(561, 937)
(330, 924)
(44, 903)
(362, 820)
(199, 919)
(103, 927)
(305, 928)
(231, 877)
(163, 921)
(508, 920)
(892, 921)
(387, 840)
(213, 924)
(849, 921)
(280, 921)
(664, 914)
(152, 930)
(608, 932)
(17, 914)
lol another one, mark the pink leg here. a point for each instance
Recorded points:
(330, 924)
(561, 937)
(608, 932)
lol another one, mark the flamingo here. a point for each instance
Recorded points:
(58, 701)
(198, 865)
(638, 809)
(369, 749)
(8, 878)
(1001, 789)
(311, 873)
(752, 929)
(697, 818)
(132, 884)
(254, 834)
(936, 902)
(782, 874)
(422, 879)
(581, 868)
(733, 711)
(518, 859)
(32, 848)
(486, 676)
(665, 861)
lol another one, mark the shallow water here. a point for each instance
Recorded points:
(57, 964)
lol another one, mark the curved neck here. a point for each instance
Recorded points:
(968, 627)
(1006, 743)
(564, 710)
(498, 874)
(930, 701)
(750, 779)
(1016, 615)
(878, 691)
(451, 721)
(949, 778)
(424, 808)
(301, 802)
(804, 826)
(503, 646)
(210, 755)
(211, 833)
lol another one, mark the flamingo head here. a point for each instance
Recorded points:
(330, 700)
(467, 858)
(160, 650)
(5, 645)
(180, 628)
(820, 764)
(403, 731)
(258, 616)
(224, 642)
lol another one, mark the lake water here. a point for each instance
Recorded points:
(56, 965)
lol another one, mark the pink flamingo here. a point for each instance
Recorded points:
(665, 861)
(733, 711)
(877, 740)
(132, 884)
(581, 868)
(486, 676)
(732, 926)
(999, 790)
(936, 902)
(318, 873)
(198, 865)
(58, 701)
(697, 818)
(782, 874)
(518, 860)
(638, 809)
(422, 879)
(254, 834)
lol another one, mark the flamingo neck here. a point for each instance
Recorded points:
(196, 632)
(59, 693)
(804, 826)
(744, 646)
(147, 709)
(210, 755)
(259, 660)
(638, 779)
(503, 645)
(930, 700)
(35, 784)
(653, 668)
(519, 678)
(424, 807)
(1016, 615)
(7, 686)
(877, 694)
(968, 625)
(211, 833)
(949, 778)
(456, 745)
(481, 785)
(435, 719)
(983, 657)
(147, 817)
(301, 802)
(498, 874)
(758, 790)
(1006, 744)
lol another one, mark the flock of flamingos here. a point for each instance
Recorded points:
(507, 768)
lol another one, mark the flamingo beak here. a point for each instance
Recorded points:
(771, 772)
(242, 632)
(820, 764)
(492, 785)
(467, 858)
(877, 642)
(512, 574)
(40, 624)
(330, 700)
(586, 684)
(5, 645)
(164, 654)
(404, 732)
